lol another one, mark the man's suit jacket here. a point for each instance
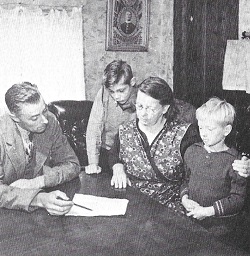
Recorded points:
(50, 146)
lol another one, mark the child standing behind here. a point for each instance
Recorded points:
(211, 186)
(114, 104)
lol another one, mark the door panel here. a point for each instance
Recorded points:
(201, 30)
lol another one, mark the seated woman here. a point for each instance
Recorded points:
(148, 151)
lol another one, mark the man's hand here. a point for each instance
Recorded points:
(35, 183)
(119, 179)
(242, 166)
(55, 202)
(189, 204)
(93, 168)
(201, 213)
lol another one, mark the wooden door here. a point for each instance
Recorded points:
(201, 31)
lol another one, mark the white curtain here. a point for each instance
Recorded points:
(42, 48)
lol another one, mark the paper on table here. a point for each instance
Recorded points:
(101, 206)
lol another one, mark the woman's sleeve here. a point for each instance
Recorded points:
(114, 152)
(186, 176)
(191, 136)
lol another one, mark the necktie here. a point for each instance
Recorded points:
(29, 147)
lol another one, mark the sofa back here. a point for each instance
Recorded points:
(73, 117)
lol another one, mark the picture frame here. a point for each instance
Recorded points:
(127, 25)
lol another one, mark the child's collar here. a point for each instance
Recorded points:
(209, 150)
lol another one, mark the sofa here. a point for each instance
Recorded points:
(73, 117)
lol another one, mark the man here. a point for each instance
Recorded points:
(242, 166)
(25, 162)
(128, 27)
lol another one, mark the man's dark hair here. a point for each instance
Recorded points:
(21, 93)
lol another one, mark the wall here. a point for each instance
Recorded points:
(46, 2)
(201, 31)
(159, 58)
(158, 61)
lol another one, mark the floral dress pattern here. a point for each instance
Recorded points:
(157, 170)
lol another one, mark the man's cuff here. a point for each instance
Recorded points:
(39, 182)
(30, 207)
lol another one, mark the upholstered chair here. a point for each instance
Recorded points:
(73, 117)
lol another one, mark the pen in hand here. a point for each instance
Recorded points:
(78, 205)
(84, 207)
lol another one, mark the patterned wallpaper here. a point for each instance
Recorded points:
(158, 61)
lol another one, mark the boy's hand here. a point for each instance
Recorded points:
(188, 203)
(93, 168)
(201, 213)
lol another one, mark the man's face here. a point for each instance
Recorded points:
(128, 16)
(32, 117)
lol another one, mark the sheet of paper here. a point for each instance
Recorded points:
(101, 206)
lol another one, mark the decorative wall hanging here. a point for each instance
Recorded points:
(127, 25)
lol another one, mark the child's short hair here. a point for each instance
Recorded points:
(115, 71)
(218, 110)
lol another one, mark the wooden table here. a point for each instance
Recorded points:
(148, 228)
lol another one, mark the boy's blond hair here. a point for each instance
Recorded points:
(217, 110)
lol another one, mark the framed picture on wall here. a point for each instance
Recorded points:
(127, 25)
